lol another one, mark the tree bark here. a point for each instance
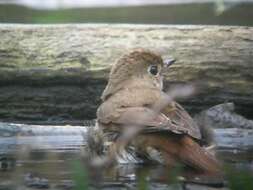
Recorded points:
(56, 73)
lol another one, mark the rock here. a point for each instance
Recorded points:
(223, 116)
(225, 127)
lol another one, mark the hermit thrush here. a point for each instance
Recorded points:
(161, 130)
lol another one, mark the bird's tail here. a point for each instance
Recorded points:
(185, 150)
(198, 157)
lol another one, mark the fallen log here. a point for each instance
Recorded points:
(54, 74)
(45, 137)
(230, 132)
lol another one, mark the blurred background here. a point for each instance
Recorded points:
(211, 12)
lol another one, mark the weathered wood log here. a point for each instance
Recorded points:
(73, 137)
(56, 73)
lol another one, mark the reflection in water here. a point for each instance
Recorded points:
(41, 167)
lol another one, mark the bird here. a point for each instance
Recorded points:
(140, 122)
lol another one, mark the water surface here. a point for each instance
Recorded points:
(49, 162)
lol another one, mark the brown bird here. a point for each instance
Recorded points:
(136, 113)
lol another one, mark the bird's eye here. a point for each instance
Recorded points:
(153, 69)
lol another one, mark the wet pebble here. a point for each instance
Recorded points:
(31, 180)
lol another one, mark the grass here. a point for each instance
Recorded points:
(204, 13)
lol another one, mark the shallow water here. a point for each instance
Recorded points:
(35, 162)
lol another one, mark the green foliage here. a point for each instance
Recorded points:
(202, 13)
(239, 179)
(80, 176)
(142, 183)
(174, 173)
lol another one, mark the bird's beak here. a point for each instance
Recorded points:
(169, 62)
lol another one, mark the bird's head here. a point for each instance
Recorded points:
(137, 67)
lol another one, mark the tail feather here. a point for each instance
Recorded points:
(196, 156)
(185, 150)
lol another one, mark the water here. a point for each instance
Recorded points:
(32, 162)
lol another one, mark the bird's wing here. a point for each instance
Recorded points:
(139, 116)
(184, 122)
(172, 119)
(148, 120)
